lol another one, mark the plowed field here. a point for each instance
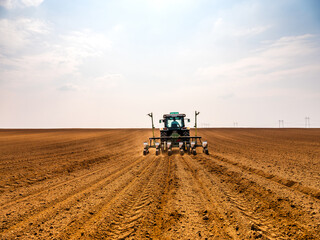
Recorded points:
(95, 184)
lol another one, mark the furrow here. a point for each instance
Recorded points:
(65, 202)
(285, 182)
(87, 227)
(221, 226)
(304, 202)
(130, 212)
(55, 185)
(267, 214)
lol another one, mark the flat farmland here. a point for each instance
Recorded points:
(96, 184)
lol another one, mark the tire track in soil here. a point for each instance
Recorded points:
(130, 216)
(87, 227)
(219, 226)
(158, 221)
(239, 224)
(263, 212)
(38, 220)
(187, 214)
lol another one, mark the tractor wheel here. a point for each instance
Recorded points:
(169, 152)
(145, 152)
(206, 151)
(181, 151)
(162, 148)
(194, 152)
(188, 149)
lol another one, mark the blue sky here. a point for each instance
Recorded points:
(109, 63)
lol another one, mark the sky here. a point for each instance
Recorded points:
(106, 64)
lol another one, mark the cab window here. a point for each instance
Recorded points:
(174, 122)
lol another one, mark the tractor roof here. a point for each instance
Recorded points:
(174, 114)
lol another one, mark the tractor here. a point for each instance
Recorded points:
(175, 134)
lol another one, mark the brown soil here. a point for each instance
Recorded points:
(95, 184)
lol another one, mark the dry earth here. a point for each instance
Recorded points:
(94, 184)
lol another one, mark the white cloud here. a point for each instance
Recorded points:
(162, 5)
(222, 28)
(68, 87)
(21, 33)
(85, 43)
(29, 3)
(295, 57)
(118, 28)
(32, 52)
(250, 31)
(110, 77)
(10, 4)
(109, 80)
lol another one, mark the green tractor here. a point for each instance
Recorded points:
(175, 134)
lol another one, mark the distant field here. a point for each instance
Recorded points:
(95, 183)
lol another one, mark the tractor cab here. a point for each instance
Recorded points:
(174, 121)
